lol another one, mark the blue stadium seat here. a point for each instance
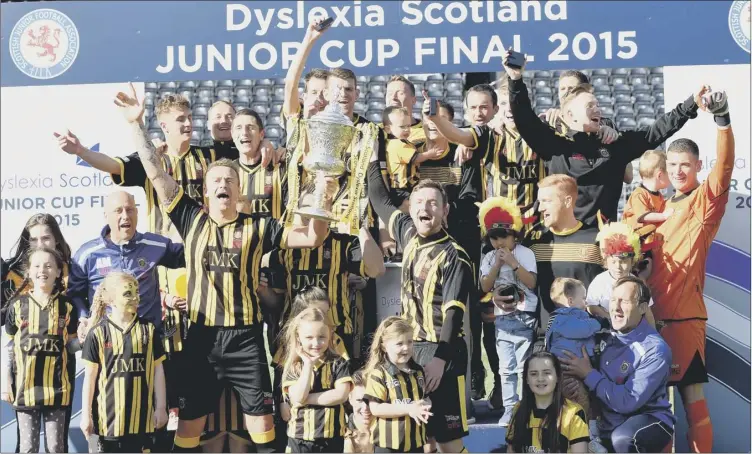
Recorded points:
(620, 72)
(243, 91)
(639, 71)
(607, 111)
(376, 105)
(556, 74)
(200, 112)
(203, 101)
(363, 88)
(638, 80)
(626, 124)
(644, 97)
(373, 116)
(659, 108)
(416, 77)
(434, 86)
(187, 94)
(646, 109)
(656, 79)
(279, 81)
(377, 89)
(248, 83)
(644, 122)
(154, 124)
(276, 108)
(205, 93)
(543, 101)
(527, 74)
(382, 79)
(656, 70)
(618, 80)
(240, 105)
(151, 86)
(657, 86)
(264, 82)
(260, 108)
(226, 83)
(544, 91)
(641, 88)
(272, 119)
(541, 82)
(453, 85)
(196, 137)
(172, 86)
(359, 106)
(604, 100)
(363, 79)
(275, 143)
(623, 109)
(457, 93)
(658, 96)
(602, 72)
(207, 83)
(458, 122)
(541, 109)
(278, 93)
(273, 131)
(602, 90)
(261, 90)
(543, 74)
(188, 85)
(623, 98)
(199, 123)
(455, 76)
(434, 76)
(599, 80)
(224, 92)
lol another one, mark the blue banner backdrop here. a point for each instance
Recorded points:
(79, 42)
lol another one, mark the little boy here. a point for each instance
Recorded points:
(509, 264)
(570, 328)
(620, 248)
(646, 204)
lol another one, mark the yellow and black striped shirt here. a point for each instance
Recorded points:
(188, 170)
(127, 359)
(437, 274)
(40, 334)
(175, 327)
(265, 188)
(573, 253)
(326, 267)
(312, 422)
(572, 424)
(223, 262)
(227, 417)
(388, 384)
(511, 168)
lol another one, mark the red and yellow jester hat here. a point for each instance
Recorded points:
(499, 213)
(618, 239)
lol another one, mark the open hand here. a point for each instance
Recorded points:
(434, 371)
(420, 412)
(576, 366)
(607, 135)
(160, 418)
(312, 33)
(131, 108)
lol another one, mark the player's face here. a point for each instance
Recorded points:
(399, 349)
(121, 215)
(398, 94)
(504, 116)
(177, 125)
(541, 376)
(624, 310)
(247, 134)
(314, 338)
(583, 113)
(314, 94)
(400, 127)
(222, 187)
(220, 121)
(618, 267)
(480, 109)
(553, 205)
(428, 211)
(43, 270)
(343, 92)
(566, 84)
(429, 127)
(506, 242)
(41, 236)
(125, 297)
(682, 170)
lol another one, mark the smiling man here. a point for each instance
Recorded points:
(437, 278)
(631, 380)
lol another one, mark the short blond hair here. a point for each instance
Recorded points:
(170, 102)
(404, 80)
(564, 183)
(573, 93)
(650, 162)
(563, 288)
(221, 101)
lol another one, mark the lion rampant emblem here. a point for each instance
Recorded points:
(44, 40)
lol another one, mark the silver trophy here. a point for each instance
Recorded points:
(330, 133)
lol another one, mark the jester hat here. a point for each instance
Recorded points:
(499, 213)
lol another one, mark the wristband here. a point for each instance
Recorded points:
(722, 120)
(514, 270)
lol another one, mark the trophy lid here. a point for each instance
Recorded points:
(332, 113)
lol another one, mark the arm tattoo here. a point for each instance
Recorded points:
(167, 188)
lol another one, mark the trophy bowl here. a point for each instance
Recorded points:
(330, 133)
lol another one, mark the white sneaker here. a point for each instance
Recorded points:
(471, 420)
(506, 418)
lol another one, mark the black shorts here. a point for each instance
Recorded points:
(387, 450)
(221, 357)
(320, 445)
(173, 371)
(448, 401)
(128, 443)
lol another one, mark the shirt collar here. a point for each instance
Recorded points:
(637, 334)
(432, 238)
(652, 192)
(394, 370)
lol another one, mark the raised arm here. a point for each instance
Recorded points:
(719, 179)
(373, 258)
(291, 104)
(69, 143)
(133, 111)
(539, 136)
(447, 129)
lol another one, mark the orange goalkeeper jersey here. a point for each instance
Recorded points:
(678, 277)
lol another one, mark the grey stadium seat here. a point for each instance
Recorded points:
(373, 116)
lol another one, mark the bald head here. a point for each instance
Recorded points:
(121, 215)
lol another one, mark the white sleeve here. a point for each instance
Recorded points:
(487, 263)
(650, 303)
(595, 293)
(526, 259)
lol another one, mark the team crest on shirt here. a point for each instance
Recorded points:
(181, 403)
(142, 262)
(268, 188)
(603, 152)
(108, 345)
(327, 254)
(24, 323)
(624, 367)
(237, 239)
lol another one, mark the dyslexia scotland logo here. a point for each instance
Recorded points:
(739, 23)
(44, 43)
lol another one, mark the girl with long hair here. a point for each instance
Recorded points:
(544, 420)
(42, 325)
(317, 383)
(41, 230)
(395, 390)
(123, 357)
